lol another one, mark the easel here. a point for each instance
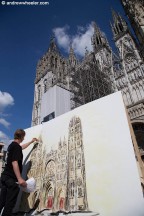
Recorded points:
(135, 145)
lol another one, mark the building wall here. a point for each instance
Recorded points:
(98, 74)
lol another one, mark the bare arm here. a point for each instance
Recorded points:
(27, 144)
(21, 181)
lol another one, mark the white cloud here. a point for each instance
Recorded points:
(83, 40)
(4, 122)
(5, 139)
(5, 100)
(3, 136)
(63, 39)
(80, 28)
(79, 41)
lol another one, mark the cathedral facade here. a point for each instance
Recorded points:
(101, 72)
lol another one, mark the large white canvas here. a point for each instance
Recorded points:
(112, 184)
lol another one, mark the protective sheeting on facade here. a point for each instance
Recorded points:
(56, 100)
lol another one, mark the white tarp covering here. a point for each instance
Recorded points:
(56, 100)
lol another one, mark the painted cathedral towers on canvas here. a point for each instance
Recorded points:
(60, 173)
(76, 193)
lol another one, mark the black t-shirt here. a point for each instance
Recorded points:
(14, 153)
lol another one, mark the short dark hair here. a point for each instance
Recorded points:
(19, 134)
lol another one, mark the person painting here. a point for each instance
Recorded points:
(11, 176)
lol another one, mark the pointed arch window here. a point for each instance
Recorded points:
(55, 62)
(63, 66)
(60, 74)
(39, 92)
(52, 61)
(97, 41)
(120, 26)
(100, 39)
(117, 29)
(45, 85)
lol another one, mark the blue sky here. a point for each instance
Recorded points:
(25, 33)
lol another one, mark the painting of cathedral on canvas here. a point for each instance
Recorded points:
(60, 174)
(85, 162)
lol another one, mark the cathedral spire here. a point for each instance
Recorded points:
(72, 57)
(53, 47)
(114, 15)
(119, 26)
(96, 28)
(99, 39)
(71, 51)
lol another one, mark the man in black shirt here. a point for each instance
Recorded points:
(11, 177)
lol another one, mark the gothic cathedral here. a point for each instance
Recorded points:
(101, 72)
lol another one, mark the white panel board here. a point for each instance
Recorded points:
(85, 162)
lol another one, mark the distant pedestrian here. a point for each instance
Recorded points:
(11, 176)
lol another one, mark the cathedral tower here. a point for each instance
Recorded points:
(51, 86)
(131, 80)
(76, 186)
(103, 55)
(101, 48)
(135, 10)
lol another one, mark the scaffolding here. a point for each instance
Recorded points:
(89, 83)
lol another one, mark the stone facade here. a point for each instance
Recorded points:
(99, 73)
(135, 10)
